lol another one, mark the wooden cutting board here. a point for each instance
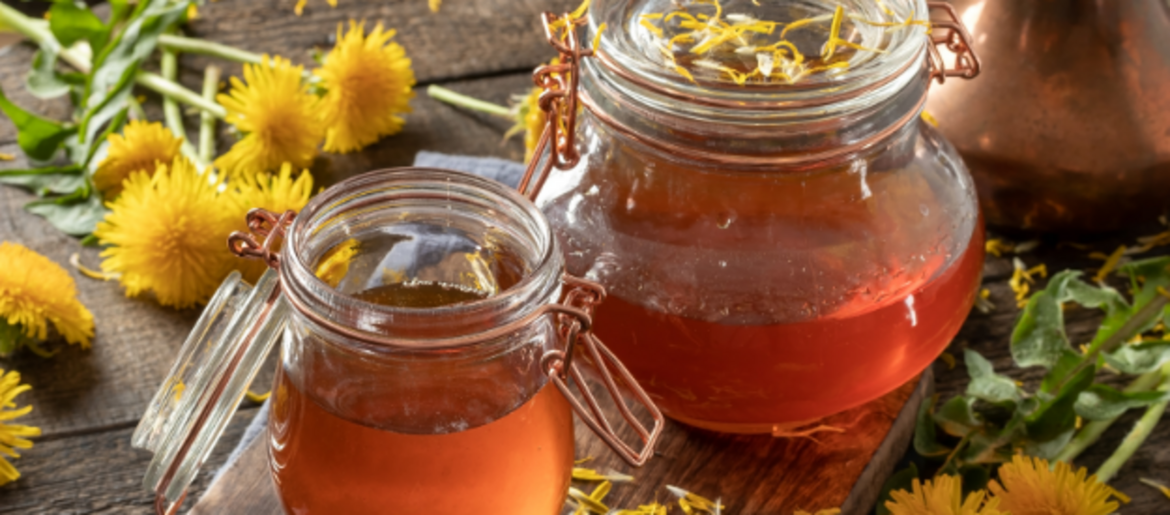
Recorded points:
(752, 475)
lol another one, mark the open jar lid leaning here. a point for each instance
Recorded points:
(241, 323)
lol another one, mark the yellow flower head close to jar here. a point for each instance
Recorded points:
(530, 120)
(277, 116)
(12, 436)
(334, 265)
(941, 496)
(35, 292)
(167, 234)
(1028, 486)
(140, 148)
(274, 192)
(368, 86)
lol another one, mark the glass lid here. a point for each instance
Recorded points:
(215, 365)
(725, 46)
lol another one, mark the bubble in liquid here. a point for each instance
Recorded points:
(725, 220)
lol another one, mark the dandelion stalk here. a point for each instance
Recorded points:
(458, 99)
(1092, 431)
(174, 42)
(169, 66)
(207, 121)
(1137, 436)
(158, 84)
(38, 31)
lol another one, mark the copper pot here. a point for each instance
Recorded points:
(1068, 127)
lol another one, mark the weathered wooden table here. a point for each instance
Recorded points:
(88, 402)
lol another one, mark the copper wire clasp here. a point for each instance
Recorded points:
(267, 225)
(574, 316)
(558, 101)
(952, 33)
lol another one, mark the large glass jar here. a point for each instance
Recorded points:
(778, 248)
(422, 354)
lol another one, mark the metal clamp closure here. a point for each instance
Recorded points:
(558, 101)
(952, 33)
(574, 325)
(268, 225)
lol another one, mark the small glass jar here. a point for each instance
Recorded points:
(779, 248)
(422, 354)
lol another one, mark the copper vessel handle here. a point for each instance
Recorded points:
(574, 327)
(952, 33)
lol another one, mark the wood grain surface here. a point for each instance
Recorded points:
(750, 474)
(97, 473)
(87, 401)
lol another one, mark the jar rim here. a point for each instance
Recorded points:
(312, 296)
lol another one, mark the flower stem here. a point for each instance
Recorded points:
(1092, 431)
(178, 43)
(169, 66)
(1119, 337)
(207, 121)
(458, 99)
(38, 32)
(1137, 436)
(167, 88)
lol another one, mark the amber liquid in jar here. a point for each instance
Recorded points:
(518, 464)
(793, 373)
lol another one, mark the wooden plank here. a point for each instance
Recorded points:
(109, 385)
(245, 487)
(752, 474)
(97, 473)
(465, 38)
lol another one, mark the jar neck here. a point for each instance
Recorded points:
(825, 125)
(444, 219)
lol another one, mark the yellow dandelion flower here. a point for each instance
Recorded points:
(645, 509)
(275, 192)
(434, 5)
(34, 291)
(167, 234)
(278, 116)
(1027, 486)
(693, 503)
(587, 474)
(591, 503)
(334, 265)
(299, 8)
(530, 119)
(941, 496)
(368, 83)
(140, 148)
(12, 436)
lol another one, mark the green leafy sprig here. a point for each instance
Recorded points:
(106, 58)
(1070, 409)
